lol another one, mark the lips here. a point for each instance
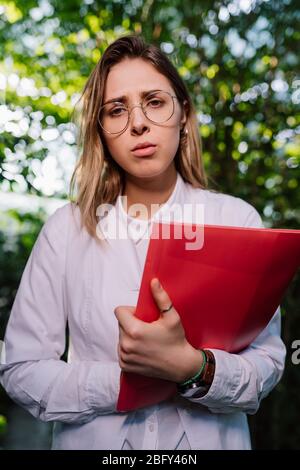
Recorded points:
(145, 151)
(143, 145)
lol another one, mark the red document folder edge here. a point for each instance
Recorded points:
(225, 293)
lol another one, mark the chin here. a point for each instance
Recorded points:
(148, 170)
(147, 167)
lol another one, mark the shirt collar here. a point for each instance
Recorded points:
(117, 221)
(141, 228)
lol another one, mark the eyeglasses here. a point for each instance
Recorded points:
(158, 107)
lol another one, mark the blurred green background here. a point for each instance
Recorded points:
(240, 61)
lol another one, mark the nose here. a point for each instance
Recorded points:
(137, 119)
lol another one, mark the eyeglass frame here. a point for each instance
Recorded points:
(140, 106)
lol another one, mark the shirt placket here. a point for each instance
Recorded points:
(151, 431)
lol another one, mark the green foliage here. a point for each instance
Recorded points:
(3, 424)
(18, 232)
(240, 66)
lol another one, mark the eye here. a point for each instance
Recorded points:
(155, 100)
(116, 111)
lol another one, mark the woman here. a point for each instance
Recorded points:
(80, 273)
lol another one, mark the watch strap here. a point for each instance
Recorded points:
(201, 385)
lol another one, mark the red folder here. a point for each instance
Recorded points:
(225, 292)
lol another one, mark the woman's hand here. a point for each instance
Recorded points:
(158, 349)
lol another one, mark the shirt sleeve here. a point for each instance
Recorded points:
(242, 380)
(31, 369)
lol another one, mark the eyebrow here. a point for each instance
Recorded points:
(123, 98)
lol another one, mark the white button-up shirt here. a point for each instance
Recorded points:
(70, 277)
(151, 426)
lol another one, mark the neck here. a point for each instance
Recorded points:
(150, 191)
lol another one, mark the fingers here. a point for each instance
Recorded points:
(127, 321)
(161, 297)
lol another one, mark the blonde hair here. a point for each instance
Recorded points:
(98, 177)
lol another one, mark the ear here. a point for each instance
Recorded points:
(184, 114)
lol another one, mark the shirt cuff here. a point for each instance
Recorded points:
(103, 387)
(226, 379)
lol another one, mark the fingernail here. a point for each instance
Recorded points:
(157, 284)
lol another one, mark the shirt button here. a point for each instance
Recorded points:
(151, 427)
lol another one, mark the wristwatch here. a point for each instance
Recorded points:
(200, 386)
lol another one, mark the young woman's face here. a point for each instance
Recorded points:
(131, 77)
